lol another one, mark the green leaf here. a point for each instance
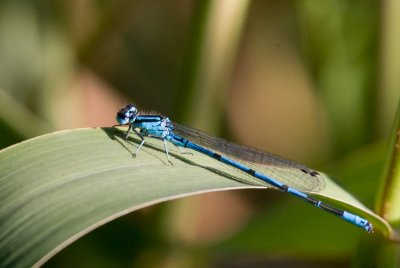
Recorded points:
(389, 196)
(57, 187)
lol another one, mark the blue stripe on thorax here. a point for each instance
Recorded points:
(150, 125)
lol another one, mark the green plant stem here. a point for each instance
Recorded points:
(213, 43)
(389, 196)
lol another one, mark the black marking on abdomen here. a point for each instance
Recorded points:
(331, 209)
(284, 188)
(313, 201)
(217, 156)
(252, 172)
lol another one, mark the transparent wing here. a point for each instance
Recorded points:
(283, 170)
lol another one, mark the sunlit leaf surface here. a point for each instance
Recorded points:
(57, 187)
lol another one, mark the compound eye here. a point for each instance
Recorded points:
(131, 110)
(121, 118)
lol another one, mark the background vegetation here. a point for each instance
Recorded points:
(315, 81)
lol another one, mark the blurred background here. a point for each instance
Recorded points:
(314, 81)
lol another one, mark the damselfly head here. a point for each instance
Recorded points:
(127, 114)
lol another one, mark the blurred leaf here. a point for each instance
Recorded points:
(215, 36)
(19, 118)
(389, 196)
(339, 39)
(60, 186)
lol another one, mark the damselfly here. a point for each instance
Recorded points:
(283, 174)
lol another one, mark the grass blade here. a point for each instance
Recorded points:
(58, 187)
